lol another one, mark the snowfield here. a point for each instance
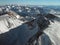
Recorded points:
(7, 23)
(53, 31)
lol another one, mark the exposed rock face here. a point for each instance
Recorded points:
(43, 22)
(50, 16)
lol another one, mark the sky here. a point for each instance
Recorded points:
(30, 2)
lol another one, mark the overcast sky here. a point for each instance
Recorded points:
(30, 2)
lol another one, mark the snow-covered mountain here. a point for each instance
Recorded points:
(24, 25)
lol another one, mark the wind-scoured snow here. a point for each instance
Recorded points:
(7, 23)
(53, 31)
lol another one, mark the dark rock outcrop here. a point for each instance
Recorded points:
(43, 22)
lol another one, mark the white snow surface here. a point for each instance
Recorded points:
(6, 20)
(53, 31)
